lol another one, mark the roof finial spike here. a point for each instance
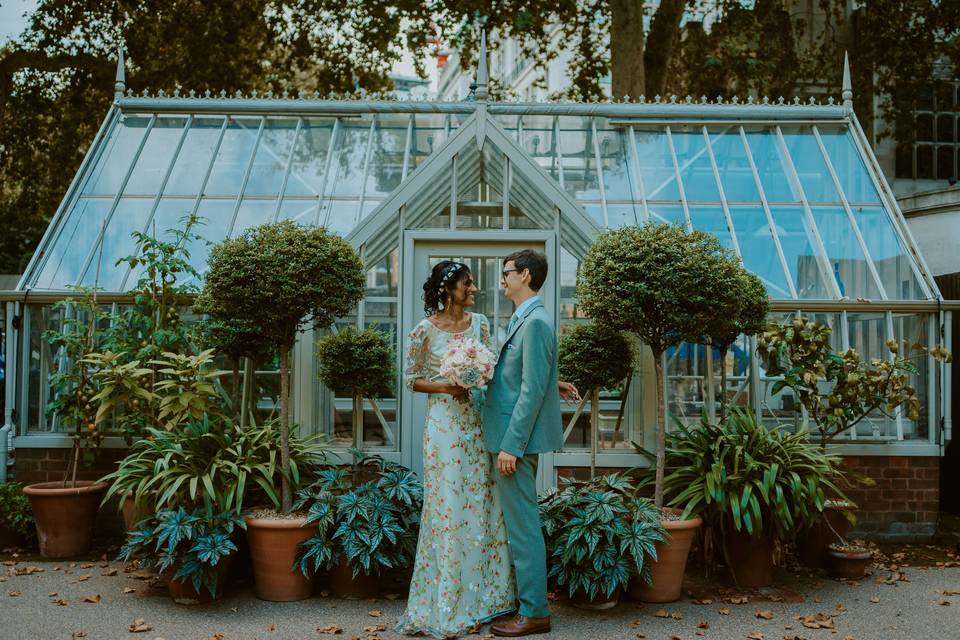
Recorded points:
(847, 91)
(121, 83)
(483, 77)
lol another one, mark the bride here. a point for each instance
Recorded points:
(462, 575)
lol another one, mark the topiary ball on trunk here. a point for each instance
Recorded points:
(595, 357)
(356, 362)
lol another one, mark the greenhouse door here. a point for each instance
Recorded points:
(485, 259)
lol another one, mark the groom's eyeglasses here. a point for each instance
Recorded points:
(503, 274)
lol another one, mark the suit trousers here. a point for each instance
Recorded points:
(518, 496)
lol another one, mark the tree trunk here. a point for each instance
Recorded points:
(661, 429)
(664, 33)
(287, 493)
(626, 48)
(723, 382)
(235, 389)
(594, 428)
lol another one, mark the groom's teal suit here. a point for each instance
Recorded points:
(522, 417)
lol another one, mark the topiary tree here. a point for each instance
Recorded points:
(594, 357)
(660, 283)
(281, 277)
(236, 340)
(359, 364)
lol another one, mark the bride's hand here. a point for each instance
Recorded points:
(568, 392)
(458, 392)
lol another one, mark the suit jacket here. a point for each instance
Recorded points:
(522, 407)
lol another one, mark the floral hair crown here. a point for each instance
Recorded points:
(448, 272)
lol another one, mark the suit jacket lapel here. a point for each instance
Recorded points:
(516, 325)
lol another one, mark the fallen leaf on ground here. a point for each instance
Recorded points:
(391, 596)
(724, 611)
(382, 627)
(840, 607)
(766, 615)
(86, 565)
(660, 613)
(676, 615)
(15, 594)
(272, 627)
(944, 603)
(52, 594)
(736, 600)
(324, 593)
(948, 592)
(375, 614)
(703, 601)
(330, 629)
(847, 637)
(703, 625)
(675, 638)
(129, 590)
(94, 599)
(109, 573)
(139, 626)
(756, 635)
(60, 603)
(79, 634)
(875, 599)
(816, 621)
(83, 578)
(217, 636)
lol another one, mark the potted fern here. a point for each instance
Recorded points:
(365, 519)
(599, 534)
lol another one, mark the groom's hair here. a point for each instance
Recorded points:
(534, 261)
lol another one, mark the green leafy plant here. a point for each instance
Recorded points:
(839, 390)
(280, 277)
(192, 543)
(599, 533)
(214, 463)
(367, 514)
(15, 511)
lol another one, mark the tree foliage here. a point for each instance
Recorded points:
(357, 363)
(595, 357)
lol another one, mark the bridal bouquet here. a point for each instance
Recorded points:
(468, 363)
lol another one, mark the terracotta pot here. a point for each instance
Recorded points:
(344, 585)
(750, 558)
(848, 563)
(599, 602)
(273, 549)
(812, 544)
(132, 515)
(65, 516)
(670, 564)
(182, 591)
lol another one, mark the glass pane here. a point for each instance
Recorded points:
(270, 161)
(686, 382)
(867, 333)
(299, 211)
(340, 216)
(539, 143)
(383, 280)
(696, 174)
(233, 157)
(667, 214)
(852, 173)
(429, 135)
(595, 211)
(310, 158)
(70, 249)
(579, 161)
(154, 160)
(528, 208)
(811, 168)
(621, 215)
(617, 179)
(386, 161)
(194, 157)
(850, 267)
(215, 216)
(348, 161)
(107, 176)
(733, 166)
(712, 220)
(888, 254)
(796, 241)
(253, 213)
(656, 165)
(758, 250)
(909, 328)
(129, 216)
(769, 162)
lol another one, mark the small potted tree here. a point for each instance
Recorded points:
(280, 278)
(592, 358)
(665, 286)
(359, 364)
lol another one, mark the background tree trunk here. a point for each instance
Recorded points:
(287, 493)
(626, 48)
(661, 429)
(664, 33)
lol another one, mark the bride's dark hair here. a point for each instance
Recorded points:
(444, 277)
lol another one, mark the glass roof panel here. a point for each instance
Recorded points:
(667, 214)
(298, 210)
(386, 160)
(854, 178)
(194, 158)
(271, 158)
(341, 216)
(656, 164)
(770, 166)
(798, 249)
(253, 212)
(850, 268)
(310, 158)
(710, 218)
(215, 214)
(154, 159)
(429, 135)
(811, 168)
(733, 165)
(888, 254)
(129, 216)
(696, 173)
(77, 235)
(233, 157)
(349, 160)
(618, 181)
(118, 152)
(757, 249)
(578, 159)
(539, 142)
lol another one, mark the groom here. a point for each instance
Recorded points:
(522, 420)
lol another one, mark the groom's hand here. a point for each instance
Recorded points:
(506, 464)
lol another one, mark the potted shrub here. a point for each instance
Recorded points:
(593, 357)
(191, 548)
(599, 534)
(16, 518)
(665, 286)
(753, 486)
(838, 391)
(359, 364)
(366, 521)
(280, 277)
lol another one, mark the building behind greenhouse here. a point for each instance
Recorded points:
(791, 188)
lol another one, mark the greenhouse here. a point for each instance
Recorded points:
(793, 189)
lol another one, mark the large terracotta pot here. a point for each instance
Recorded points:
(65, 515)
(182, 591)
(132, 515)
(273, 549)
(812, 544)
(750, 558)
(344, 585)
(671, 562)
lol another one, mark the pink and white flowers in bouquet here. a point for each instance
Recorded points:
(468, 363)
